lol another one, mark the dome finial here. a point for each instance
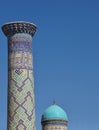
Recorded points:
(54, 102)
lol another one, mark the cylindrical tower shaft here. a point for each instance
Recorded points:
(21, 106)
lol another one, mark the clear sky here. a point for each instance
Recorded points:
(66, 57)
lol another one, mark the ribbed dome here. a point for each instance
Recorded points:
(54, 112)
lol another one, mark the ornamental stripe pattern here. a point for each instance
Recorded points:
(54, 124)
(21, 104)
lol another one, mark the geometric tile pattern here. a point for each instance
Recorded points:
(21, 107)
(21, 104)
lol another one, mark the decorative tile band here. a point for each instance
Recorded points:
(54, 124)
(20, 42)
(54, 127)
(20, 52)
(21, 60)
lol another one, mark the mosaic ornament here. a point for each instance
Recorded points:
(21, 104)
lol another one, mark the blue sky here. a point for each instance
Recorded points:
(66, 57)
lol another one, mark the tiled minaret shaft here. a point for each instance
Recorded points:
(21, 106)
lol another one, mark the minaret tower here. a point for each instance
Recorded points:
(21, 105)
(54, 118)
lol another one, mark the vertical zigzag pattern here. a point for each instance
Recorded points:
(21, 106)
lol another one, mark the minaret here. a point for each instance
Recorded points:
(21, 105)
(54, 118)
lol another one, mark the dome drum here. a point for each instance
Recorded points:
(54, 122)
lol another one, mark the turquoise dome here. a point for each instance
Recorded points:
(54, 112)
